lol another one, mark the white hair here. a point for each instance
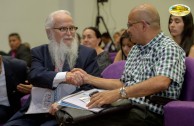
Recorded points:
(49, 20)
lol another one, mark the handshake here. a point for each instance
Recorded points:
(77, 77)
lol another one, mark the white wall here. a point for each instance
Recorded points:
(115, 12)
(27, 16)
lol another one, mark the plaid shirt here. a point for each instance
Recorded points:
(161, 56)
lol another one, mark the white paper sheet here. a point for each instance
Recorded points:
(79, 100)
(42, 98)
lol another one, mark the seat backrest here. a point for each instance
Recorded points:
(24, 99)
(187, 93)
(114, 71)
(112, 56)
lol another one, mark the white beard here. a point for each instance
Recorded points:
(60, 53)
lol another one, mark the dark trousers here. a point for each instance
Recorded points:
(138, 115)
(22, 119)
(33, 120)
(5, 113)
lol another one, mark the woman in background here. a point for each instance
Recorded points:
(181, 29)
(126, 46)
(91, 38)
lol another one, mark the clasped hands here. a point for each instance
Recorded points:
(76, 77)
(79, 77)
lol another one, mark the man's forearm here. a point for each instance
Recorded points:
(148, 87)
(105, 83)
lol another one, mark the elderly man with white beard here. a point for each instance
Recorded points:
(52, 64)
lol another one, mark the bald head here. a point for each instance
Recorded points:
(147, 13)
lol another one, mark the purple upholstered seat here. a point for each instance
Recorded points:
(24, 99)
(112, 56)
(181, 113)
(114, 71)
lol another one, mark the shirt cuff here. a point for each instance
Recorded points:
(60, 77)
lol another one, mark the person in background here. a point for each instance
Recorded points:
(19, 50)
(126, 46)
(155, 66)
(13, 72)
(181, 29)
(107, 43)
(27, 44)
(116, 39)
(122, 31)
(91, 37)
(79, 39)
(52, 64)
(3, 53)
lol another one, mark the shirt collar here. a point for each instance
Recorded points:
(151, 43)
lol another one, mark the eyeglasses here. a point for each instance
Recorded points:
(66, 29)
(131, 24)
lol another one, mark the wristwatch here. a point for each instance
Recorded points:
(123, 93)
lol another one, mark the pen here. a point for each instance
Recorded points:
(92, 93)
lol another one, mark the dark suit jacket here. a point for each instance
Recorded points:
(42, 74)
(15, 73)
(23, 53)
(42, 69)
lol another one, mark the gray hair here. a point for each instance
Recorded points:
(50, 21)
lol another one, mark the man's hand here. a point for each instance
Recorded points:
(54, 108)
(84, 74)
(103, 98)
(25, 88)
(75, 78)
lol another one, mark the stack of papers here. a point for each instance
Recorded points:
(79, 100)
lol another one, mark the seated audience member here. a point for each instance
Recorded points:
(27, 44)
(3, 53)
(116, 39)
(122, 31)
(12, 73)
(19, 50)
(181, 29)
(126, 46)
(107, 43)
(155, 66)
(91, 38)
(79, 39)
(51, 65)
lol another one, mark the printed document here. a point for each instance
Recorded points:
(42, 98)
(79, 100)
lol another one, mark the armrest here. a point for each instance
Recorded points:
(24, 99)
(179, 113)
(159, 100)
